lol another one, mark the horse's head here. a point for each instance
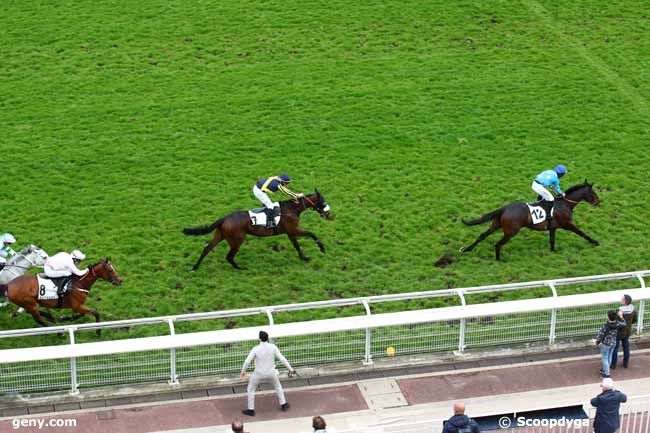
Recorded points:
(105, 270)
(590, 195)
(321, 206)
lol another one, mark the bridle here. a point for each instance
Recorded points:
(312, 203)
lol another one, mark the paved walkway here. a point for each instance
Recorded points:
(383, 403)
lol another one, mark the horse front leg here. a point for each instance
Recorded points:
(82, 310)
(301, 232)
(573, 228)
(551, 238)
(296, 245)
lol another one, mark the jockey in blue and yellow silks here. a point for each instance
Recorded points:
(548, 179)
(272, 184)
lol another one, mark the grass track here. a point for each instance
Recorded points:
(124, 122)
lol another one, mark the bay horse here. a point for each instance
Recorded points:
(23, 291)
(514, 216)
(235, 226)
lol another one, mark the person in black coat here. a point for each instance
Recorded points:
(460, 423)
(607, 405)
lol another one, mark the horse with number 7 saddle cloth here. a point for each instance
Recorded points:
(266, 217)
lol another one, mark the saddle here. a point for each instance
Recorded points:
(61, 284)
(268, 218)
(541, 210)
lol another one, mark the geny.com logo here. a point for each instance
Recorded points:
(522, 421)
(43, 423)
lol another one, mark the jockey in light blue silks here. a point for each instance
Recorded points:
(549, 179)
(6, 252)
(273, 184)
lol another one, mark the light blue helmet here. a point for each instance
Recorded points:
(560, 170)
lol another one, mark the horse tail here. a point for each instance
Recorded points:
(3, 289)
(484, 218)
(203, 230)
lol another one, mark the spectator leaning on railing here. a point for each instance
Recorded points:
(460, 423)
(623, 338)
(607, 404)
(606, 339)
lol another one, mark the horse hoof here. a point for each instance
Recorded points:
(306, 259)
(595, 243)
(461, 250)
(14, 315)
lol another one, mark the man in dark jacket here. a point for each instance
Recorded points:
(460, 423)
(607, 405)
(623, 338)
(606, 339)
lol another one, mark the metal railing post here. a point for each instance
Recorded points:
(367, 360)
(641, 313)
(173, 376)
(461, 332)
(74, 384)
(551, 334)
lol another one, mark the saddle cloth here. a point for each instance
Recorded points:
(46, 288)
(537, 213)
(258, 216)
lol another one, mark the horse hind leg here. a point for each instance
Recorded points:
(47, 315)
(36, 314)
(235, 244)
(507, 235)
(209, 247)
(493, 227)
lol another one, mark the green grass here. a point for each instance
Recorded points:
(123, 122)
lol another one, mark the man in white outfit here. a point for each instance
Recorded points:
(264, 355)
(60, 267)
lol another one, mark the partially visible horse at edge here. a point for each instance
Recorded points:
(514, 216)
(235, 226)
(29, 257)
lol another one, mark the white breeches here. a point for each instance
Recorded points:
(256, 379)
(54, 273)
(546, 194)
(263, 197)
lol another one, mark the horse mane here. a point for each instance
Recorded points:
(575, 188)
(292, 202)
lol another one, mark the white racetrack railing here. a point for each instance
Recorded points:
(313, 343)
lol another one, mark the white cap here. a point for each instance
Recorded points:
(608, 383)
(78, 255)
(8, 238)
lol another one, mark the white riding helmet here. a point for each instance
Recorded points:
(78, 255)
(8, 238)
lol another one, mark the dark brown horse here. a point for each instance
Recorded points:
(515, 216)
(234, 227)
(23, 291)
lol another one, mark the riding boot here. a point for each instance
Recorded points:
(270, 218)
